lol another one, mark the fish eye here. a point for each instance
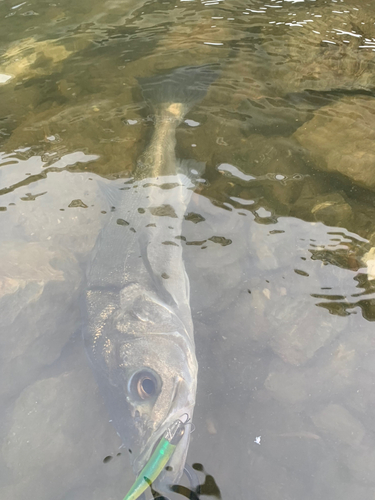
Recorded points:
(146, 387)
(144, 384)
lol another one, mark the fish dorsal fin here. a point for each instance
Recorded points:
(157, 280)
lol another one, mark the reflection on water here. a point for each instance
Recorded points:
(278, 238)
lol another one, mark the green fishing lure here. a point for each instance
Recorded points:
(158, 459)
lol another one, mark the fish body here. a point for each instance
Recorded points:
(139, 330)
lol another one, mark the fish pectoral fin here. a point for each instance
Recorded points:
(192, 170)
(112, 191)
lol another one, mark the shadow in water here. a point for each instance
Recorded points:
(196, 489)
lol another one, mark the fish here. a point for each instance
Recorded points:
(138, 329)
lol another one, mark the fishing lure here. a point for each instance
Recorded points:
(158, 459)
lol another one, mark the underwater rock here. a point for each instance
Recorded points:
(310, 190)
(340, 424)
(299, 329)
(369, 260)
(197, 43)
(329, 483)
(332, 210)
(45, 217)
(269, 478)
(21, 265)
(319, 52)
(287, 386)
(43, 246)
(54, 440)
(214, 269)
(96, 125)
(35, 324)
(341, 138)
(32, 58)
(334, 369)
(360, 461)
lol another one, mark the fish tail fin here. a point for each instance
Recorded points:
(187, 86)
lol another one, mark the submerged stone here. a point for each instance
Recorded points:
(341, 137)
(299, 329)
(313, 52)
(54, 441)
(332, 209)
(340, 424)
(287, 386)
(38, 293)
(360, 461)
(369, 260)
(31, 57)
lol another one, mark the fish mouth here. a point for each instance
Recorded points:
(148, 448)
(171, 474)
(175, 403)
(153, 440)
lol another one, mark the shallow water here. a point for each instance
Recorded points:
(279, 247)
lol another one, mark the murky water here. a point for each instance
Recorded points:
(279, 249)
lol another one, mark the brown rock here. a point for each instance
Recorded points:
(332, 210)
(341, 139)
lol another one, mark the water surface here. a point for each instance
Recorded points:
(279, 246)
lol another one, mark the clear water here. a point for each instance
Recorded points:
(278, 248)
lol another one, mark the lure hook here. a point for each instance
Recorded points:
(192, 427)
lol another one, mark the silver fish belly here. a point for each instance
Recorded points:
(139, 330)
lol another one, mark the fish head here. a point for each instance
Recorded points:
(159, 379)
